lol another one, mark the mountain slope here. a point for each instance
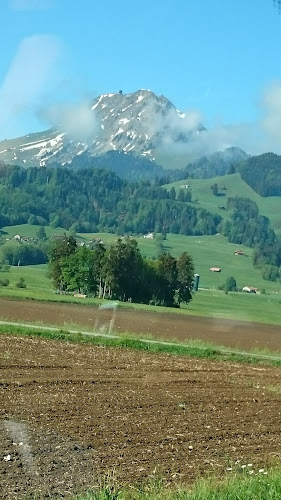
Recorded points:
(141, 123)
(219, 163)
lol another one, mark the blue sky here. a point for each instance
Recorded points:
(220, 57)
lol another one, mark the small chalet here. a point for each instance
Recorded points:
(215, 269)
(250, 289)
(239, 252)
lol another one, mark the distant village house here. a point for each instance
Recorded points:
(250, 289)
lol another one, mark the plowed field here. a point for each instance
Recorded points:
(241, 334)
(71, 413)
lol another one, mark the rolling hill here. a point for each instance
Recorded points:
(229, 186)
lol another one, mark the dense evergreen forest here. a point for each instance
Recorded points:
(246, 225)
(120, 272)
(263, 174)
(94, 200)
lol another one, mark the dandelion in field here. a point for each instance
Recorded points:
(243, 466)
(251, 472)
(250, 465)
(261, 470)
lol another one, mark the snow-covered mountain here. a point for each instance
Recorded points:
(140, 123)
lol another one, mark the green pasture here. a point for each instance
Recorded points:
(28, 230)
(202, 196)
(216, 251)
(211, 303)
(147, 247)
(239, 306)
(207, 252)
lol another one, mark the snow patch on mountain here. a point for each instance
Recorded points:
(140, 121)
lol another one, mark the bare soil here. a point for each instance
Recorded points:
(240, 334)
(72, 413)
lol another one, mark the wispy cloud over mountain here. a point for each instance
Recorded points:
(29, 75)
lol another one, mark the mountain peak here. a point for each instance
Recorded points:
(139, 122)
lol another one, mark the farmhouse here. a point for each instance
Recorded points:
(215, 269)
(250, 289)
(239, 252)
(149, 236)
(184, 186)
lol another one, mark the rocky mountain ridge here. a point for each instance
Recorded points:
(140, 123)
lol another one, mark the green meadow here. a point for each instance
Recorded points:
(28, 230)
(207, 252)
(212, 303)
(202, 196)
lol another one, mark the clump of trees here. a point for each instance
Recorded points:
(246, 226)
(14, 253)
(267, 257)
(230, 285)
(120, 272)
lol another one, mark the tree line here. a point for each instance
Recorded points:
(94, 200)
(120, 272)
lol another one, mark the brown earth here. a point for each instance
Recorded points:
(240, 334)
(72, 413)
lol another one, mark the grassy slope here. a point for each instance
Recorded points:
(207, 251)
(203, 197)
(28, 230)
(214, 303)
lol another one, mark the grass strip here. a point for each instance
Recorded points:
(154, 346)
(259, 486)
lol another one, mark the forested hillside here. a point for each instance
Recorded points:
(95, 200)
(263, 174)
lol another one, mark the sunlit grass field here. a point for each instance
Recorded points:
(207, 252)
(214, 303)
(202, 196)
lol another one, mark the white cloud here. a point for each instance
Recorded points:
(260, 136)
(29, 74)
(271, 106)
(77, 120)
(22, 5)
